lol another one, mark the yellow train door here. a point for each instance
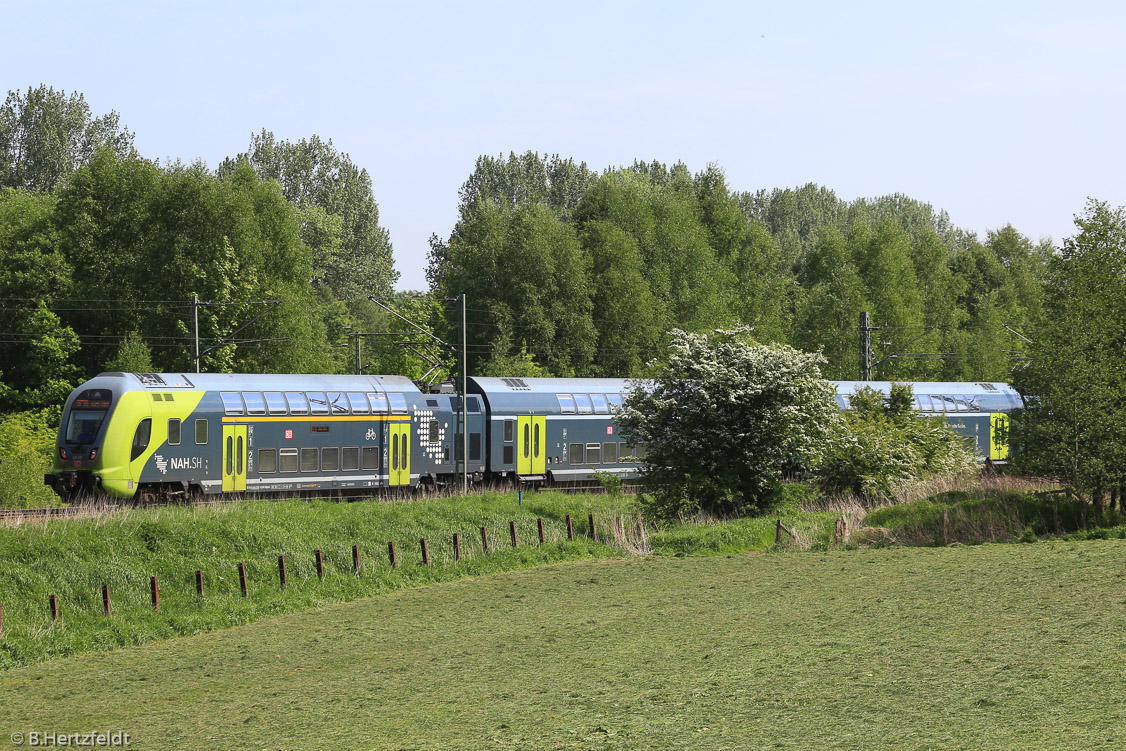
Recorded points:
(998, 436)
(234, 458)
(539, 447)
(400, 454)
(524, 445)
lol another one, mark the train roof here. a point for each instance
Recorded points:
(957, 388)
(518, 395)
(260, 382)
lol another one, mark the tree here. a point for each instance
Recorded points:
(353, 253)
(46, 135)
(723, 416)
(1074, 421)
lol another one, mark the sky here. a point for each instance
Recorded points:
(996, 112)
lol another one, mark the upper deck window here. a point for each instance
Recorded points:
(582, 402)
(601, 406)
(232, 402)
(566, 404)
(378, 403)
(338, 402)
(276, 402)
(297, 403)
(318, 403)
(359, 403)
(615, 402)
(398, 402)
(255, 404)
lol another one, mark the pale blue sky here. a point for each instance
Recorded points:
(996, 112)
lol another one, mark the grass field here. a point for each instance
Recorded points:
(992, 646)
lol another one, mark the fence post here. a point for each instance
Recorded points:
(242, 578)
(319, 559)
(512, 532)
(1056, 515)
(778, 533)
(391, 552)
(425, 552)
(356, 560)
(54, 601)
(570, 528)
(593, 531)
(945, 526)
(105, 600)
(281, 570)
(154, 589)
(484, 539)
(199, 582)
(1, 620)
(539, 524)
(457, 547)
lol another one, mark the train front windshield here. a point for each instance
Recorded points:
(84, 425)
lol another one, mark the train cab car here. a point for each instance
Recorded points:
(556, 430)
(146, 434)
(979, 411)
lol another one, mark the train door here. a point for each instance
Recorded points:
(399, 454)
(998, 436)
(539, 445)
(234, 458)
(523, 445)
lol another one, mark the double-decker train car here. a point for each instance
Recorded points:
(979, 411)
(147, 435)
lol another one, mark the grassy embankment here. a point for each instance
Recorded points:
(983, 647)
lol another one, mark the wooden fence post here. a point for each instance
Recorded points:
(105, 601)
(484, 539)
(391, 552)
(281, 571)
(1056, 514)
(318, 558)
(539, 524)
(945, 526)
(570, 528)
(512, 532)
(593, 531)
(199, 582)
(154, 589)
(356, 560)
(242, 578)
(778, 533)
(425, 552)
(54, 601)
(457, 547)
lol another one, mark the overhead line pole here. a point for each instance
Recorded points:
(464, 406)
(195, 328)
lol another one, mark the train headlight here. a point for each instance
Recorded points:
(62, 452)
(94, 453)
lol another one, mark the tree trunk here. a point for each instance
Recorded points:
(1097, 502)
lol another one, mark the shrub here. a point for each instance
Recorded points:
(27, 441)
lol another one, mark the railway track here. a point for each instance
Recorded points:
(27, 514)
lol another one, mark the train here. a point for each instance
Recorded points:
(149, 436)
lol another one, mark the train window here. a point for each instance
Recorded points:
(255, 404)
(141, 438)
(338, 402)
(640, 452)
(378, 403)
(275, 402)
(435, 427)
(624, 453)
(601, 406)
(398, 403)
(309, 459)
(350, 458)
(509, 430)
(610, 453)
(577, 454)
(566, 404)
(267, 461)
(288, 460)
(359, 403)
(615, 401)
(919, 404)
(330, 459)
(232, 402)
(297, 403)
(432, 403)
(473, 405)
(974, 403)
(474, 447)
(84, 425)
(508, 454)
(318, 403)
(594, 453)
(173, 431)
(201, 431)
(582, 404)
(371, 457)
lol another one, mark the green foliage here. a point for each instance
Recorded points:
(27, 444)
(133, 356)
(883, 445)
(1074, 421)
(46, 135)
(721, 418)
